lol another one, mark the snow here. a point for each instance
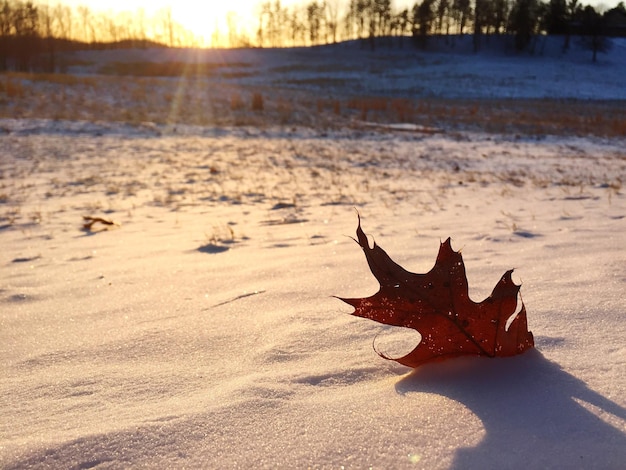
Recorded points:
(449, 69)
(202, 331)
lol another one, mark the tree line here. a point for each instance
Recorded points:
(326, 21)
(32, 34)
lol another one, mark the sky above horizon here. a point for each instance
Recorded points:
(203, 18)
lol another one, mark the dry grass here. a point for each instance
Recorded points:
(198, 99)
(323, 105)
(169, 69)
(52, 78)
(12, 87)
(257, 102)
(368, 105)
(403, 109)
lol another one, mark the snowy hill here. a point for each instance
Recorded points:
(448, 68)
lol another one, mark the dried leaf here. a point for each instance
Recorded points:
(437, 305)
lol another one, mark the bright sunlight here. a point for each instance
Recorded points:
(209, 24)
(231, 23)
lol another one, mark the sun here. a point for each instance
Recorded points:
(210, 23)
(217, 24)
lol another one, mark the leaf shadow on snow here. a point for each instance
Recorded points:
(531, 412)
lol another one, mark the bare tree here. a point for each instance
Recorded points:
(46, 19)
(479, 14)
(442, 9)
(404, 24)
(331, 10)
(21, 40)
(6, 27)
(423, 18)
(140, 22)
(84, 14)
(167, 24)
(524, 22)
(461, 13)
(112, 29)
(314, 16)
(68, 19)
(296, 26)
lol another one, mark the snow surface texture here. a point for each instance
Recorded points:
(449, 69)
(201, 331)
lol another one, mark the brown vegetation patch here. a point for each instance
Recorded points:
(207, 101)
(54, 78)
(166, 69)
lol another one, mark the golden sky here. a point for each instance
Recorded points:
(201, 17)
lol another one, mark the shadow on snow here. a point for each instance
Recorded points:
(531, 411)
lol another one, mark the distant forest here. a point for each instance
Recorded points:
(33, 34)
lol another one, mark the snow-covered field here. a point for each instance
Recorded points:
(448, 69)
(201, 331)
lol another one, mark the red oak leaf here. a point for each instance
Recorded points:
(437, 305)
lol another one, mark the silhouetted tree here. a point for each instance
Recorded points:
(168, 25)
(556, 18)
(314, 16)
(85, 16)
(401, 23)
(615, 20)
(461, 13)
(485, 16)
(20, 41)
(423, 18)
(480, 6)
(356, 17)
(593, 31)
(296, 26)
(443, 7)
(331, 13)
(381, 13)
(523, 22)
(501, 12)
(47, 23)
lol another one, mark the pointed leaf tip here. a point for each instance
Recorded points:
(361, 237)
